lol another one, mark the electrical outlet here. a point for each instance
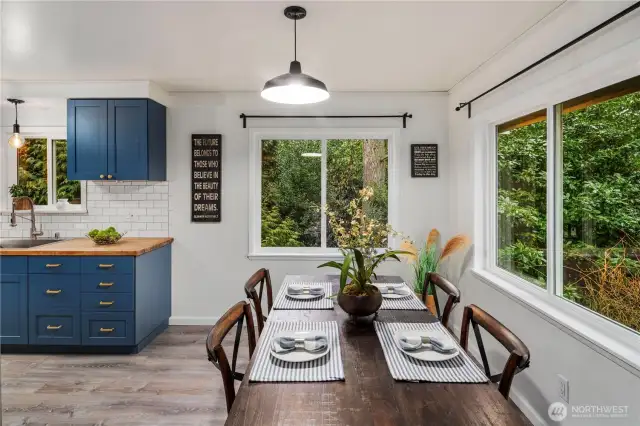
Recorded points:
(563, 387)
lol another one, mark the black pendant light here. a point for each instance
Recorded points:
(295, 87)
(16, 140)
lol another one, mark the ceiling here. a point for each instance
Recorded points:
(216, 46)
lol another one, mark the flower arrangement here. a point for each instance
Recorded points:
(428, 258)
(359, 239)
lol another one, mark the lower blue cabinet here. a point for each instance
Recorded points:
(54, 292)
(113, 329)
(107, 302)
(14, 316)
(60, 328)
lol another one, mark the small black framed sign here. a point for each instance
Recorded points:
(206, 177)
(424, 160)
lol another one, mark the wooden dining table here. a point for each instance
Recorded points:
(368, 395)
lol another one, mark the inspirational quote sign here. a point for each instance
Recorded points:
(424, 160)
(206, 174)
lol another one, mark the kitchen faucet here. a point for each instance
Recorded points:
(34, 232)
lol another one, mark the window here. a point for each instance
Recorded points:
(522, 199)
(568, 201)
(41, 172)
(302, 171)
(600, 137)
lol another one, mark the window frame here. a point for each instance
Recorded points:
(613, 340)
(10, 157)
(255, 185)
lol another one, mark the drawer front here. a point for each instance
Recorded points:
(107, 302)
(107, 329)
(107, 283)
(13, 264)
(62, 328)
(54, 265)
(49, 293)
(107, 265)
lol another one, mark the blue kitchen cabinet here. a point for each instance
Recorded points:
(114, 304)
(116, 139)
(14, 315)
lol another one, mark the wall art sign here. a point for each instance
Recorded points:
(424, 160)
(206, 175)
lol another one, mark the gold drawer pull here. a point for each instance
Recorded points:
(106, 303)
(105, 265)
(53, 291)
(107, 330)
(105, 284)
(54, 327)
(53, 265)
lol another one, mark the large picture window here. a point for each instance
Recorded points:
(572, 224)
(300, 172)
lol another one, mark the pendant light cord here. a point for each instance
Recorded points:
(16, 105)
(295, 39)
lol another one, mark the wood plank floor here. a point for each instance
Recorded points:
(169, 383)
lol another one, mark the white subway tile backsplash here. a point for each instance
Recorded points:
(139, 208)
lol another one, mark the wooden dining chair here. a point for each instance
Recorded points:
(215, 352)
(263, 278)
(519, 353)
(433, 280)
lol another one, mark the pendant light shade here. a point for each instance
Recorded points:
(16, 140)
(295, 87)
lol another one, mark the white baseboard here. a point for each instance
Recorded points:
(514, 394)
(174, 320)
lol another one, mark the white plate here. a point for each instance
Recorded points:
(305, 296)
(395, 295)
(300, 355)
(394, 285)
(425, 353)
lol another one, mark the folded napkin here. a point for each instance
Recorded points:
(311, 343)
(296, 289)
(438, 341)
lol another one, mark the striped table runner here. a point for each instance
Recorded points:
(269, 369)
(460, 369)
(410, 303)
(284, 302)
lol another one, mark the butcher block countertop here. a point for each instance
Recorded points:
(86, 247)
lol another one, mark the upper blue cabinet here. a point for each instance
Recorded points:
(116, 139)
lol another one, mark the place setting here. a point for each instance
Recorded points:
(398, 296)
(298, 295)
(299, 352)
(426, 352)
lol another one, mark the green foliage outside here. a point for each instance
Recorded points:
(32, 173)
(601, 196)
(292, 192)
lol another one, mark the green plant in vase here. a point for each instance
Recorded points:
(360, 239)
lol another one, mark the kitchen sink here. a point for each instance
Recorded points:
(25, 243)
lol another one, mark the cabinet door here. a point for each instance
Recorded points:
(128, 150)
(14, 327)
(86, 139)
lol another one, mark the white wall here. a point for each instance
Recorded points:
(594, 379)
(209, 260)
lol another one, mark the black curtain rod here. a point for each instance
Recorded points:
(404, 117)
(551, 55)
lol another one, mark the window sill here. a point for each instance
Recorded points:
(294, 256)
(48, 211)
(610, 340)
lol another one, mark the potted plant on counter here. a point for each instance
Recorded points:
(360, 238)
(428, 258)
